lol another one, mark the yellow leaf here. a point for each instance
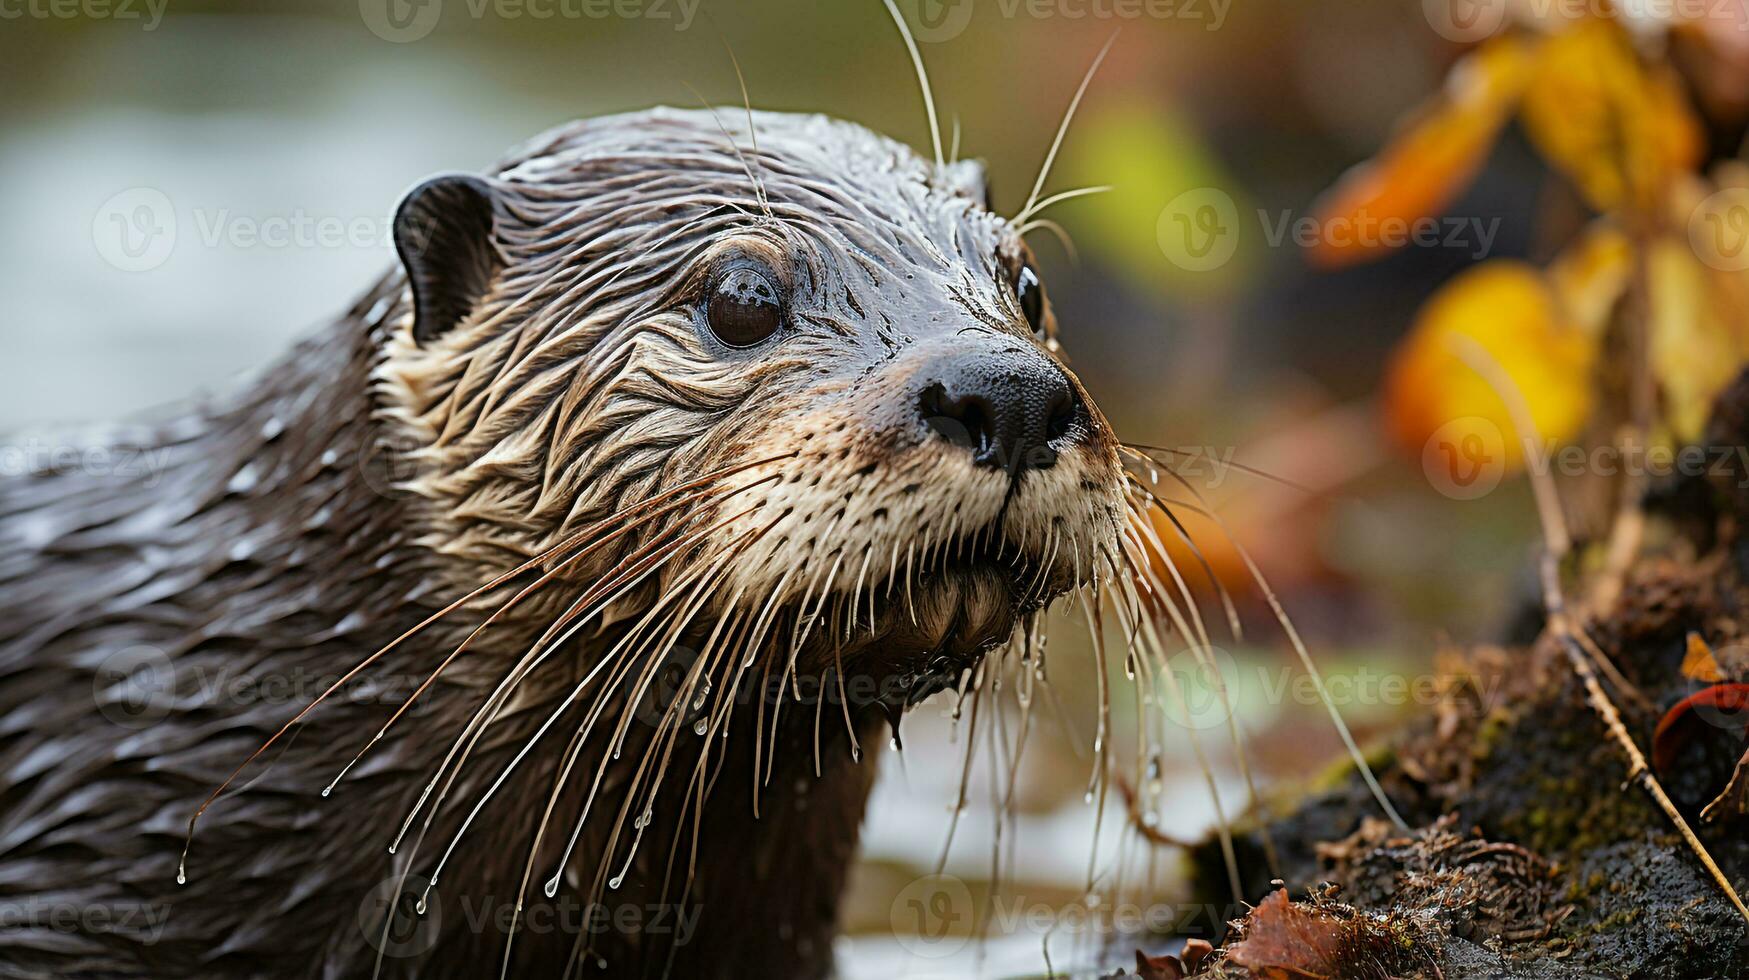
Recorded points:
(1695, 350)
(1509, 309)
(1430, 160)
(1616, 130)
(1590, 276)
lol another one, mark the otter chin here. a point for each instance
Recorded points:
(680, 453)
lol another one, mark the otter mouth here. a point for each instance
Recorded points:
(923, 632)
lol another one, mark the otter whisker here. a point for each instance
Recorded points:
(1305, 657)
(959, 806)
(1202, 649)
(752, 130)
(1138, 449)
(528, 746)
(561, 568)
(667, 734)
(1091, 607)
(758, 188)
(705, 576)
(856, 593)
(1044, 171)
(488, 712)
(1062, 196)
(1057, 231)
(181, 870)
(1228, 608)
(844, 702)
(639, 565)
(788, 677)
(1157, 646)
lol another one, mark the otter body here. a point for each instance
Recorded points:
(710, 460)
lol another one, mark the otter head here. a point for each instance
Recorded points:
(789, 394)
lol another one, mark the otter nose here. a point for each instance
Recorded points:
(1011, 408)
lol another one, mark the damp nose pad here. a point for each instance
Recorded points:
(1013, 409)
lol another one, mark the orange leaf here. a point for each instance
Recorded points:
(1429, 161)
(1698, 662)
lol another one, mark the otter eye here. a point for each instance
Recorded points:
(744, 308)
(1031, 294)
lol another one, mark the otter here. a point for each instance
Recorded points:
(679, 456)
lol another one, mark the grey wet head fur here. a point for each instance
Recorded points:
(538, 400)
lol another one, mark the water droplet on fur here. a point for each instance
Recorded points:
(181, 877)
(419, 909)
(701, 726)
(615, 881)
(552, 886)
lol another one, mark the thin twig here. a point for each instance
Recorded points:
(1560, 625)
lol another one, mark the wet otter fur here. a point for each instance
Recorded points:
(680, 526)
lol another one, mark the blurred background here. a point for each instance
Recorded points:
(281, 133)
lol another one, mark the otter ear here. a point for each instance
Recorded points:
(444, 236)
(967, 179)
